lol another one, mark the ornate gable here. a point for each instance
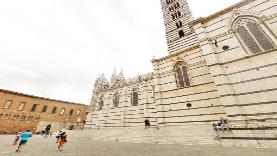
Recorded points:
(240, 14)
(101, 84)
(117, 80)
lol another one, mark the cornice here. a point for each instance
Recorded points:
(219, 13)
(175, 54)
(37, 97)
(231, 31)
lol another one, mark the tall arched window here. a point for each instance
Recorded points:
(253, 36)
(8, 104)
(178, 13)
(54, 110)
(179, 24)
(78, 112)
(116, 100)
(71, 112)
(21, 106)
(63, 111)
(33, 109)
(181, 74)
(44, 109)
(135, 98)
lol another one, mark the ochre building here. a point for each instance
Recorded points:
(20, 111)
(222, 65)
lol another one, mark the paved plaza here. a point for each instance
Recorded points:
(81, 146)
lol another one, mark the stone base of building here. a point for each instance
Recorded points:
(239, 136)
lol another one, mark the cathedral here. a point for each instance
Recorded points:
(223, 65)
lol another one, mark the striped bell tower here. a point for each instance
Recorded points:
(177, 15)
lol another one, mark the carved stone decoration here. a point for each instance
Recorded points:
(241, 13)
(133, 80)
(101, 84)
(134, 89)
(146, 76)
(117, 80)
(178, 59)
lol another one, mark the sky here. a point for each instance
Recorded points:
(57, 48)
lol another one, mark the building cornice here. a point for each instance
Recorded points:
(219, 13)
(37, 97)
(175, 54)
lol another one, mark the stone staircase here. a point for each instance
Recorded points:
(187, 135)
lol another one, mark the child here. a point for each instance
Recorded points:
(216, 132)
(17, 137)
(59, 136)
(62, 141)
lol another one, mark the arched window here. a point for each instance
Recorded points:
(8, 104)
(21, 106)
(63, 111)
(179, 13)
(134, 98)
(71, 112)
(181, 33)
(179, 24)
(181, 74)
(44, 109)
(253, 36)
(173, 16)
(177, 4)
(54, 110)
(116, 100)
(33, 109)
(78, 112)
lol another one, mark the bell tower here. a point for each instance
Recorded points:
(177, 15)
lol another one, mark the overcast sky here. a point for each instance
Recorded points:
(57, 48)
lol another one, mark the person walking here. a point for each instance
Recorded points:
(24, 138)
(62, 141)
(47, 130)
(216, 136)
(17, 137)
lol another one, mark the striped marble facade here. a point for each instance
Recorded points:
(229, 63)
